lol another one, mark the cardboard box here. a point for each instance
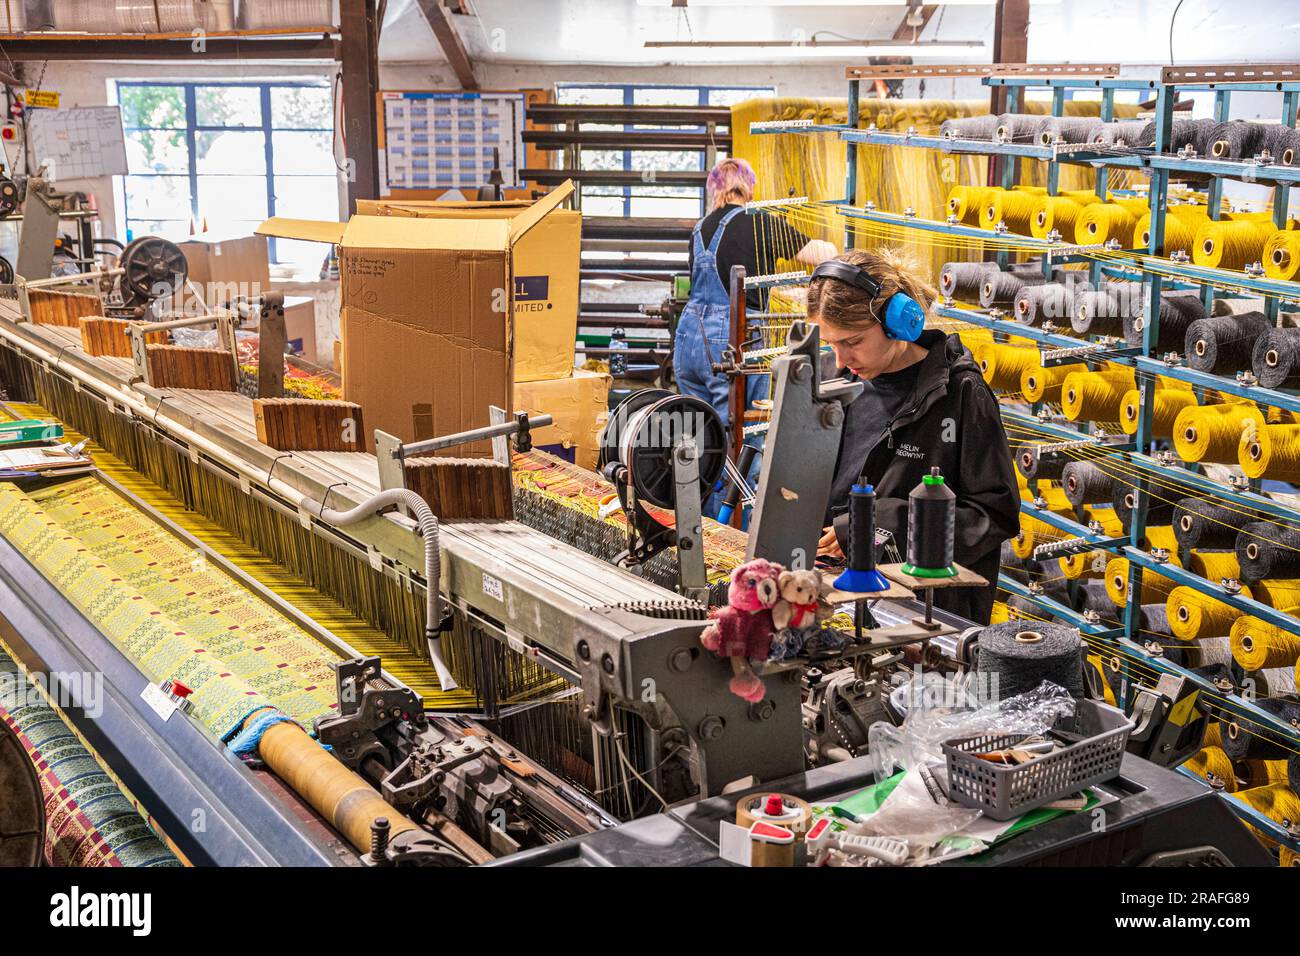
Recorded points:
(427, 315)
(580, 406)
(546, 265)
(222, 269)
(300, 326)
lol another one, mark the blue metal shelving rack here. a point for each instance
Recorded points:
(1148, 265)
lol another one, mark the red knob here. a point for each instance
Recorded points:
(180, 690)
(774, 806)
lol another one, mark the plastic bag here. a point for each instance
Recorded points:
(942, 710)
(912, 813)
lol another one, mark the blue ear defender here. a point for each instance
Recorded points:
(904, 319)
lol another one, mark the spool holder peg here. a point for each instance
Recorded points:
(225, 322)
(391, 453)
(965, 578)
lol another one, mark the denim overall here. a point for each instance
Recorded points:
(703, 331)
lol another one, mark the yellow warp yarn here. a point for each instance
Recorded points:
(967, 203)
(1155, 586)
(1169, 404)
(1014, 207)
(1088, 564)
(1054, 212)
(1277, 801)
(1260, 773)
(1230, 243)
(1213, 432)
(1104, 221)
(1095, 396)
(1193, 615)
(1272, 452)
(1181, 223)
(1257, 644)
(1002, 365)
(1044, 384)
(1282, 254)
(1033, 532)
(1277, 593)
(1214, 566)
(1214, 761)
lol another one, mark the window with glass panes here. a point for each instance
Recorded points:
(648, 200)
(228, 156)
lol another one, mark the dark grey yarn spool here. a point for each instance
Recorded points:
(1033, 465)
(1246, 739)
(1102, 311)
(1012, 565)
(1021, 128)
(1293, 772)
(999, 289)
(1067, 129)
(1053, 588)
(1267, 550)
(1203, 524)
(1086, 484)
(962, 280)
(1119, 133)
(1049, 302)
(1236, 139)
(1280, 142)
(970, 127)
(1223, 344)
(1023, 654)
(1092, 596)
(1194, 133)
(1275, 359)
(1158, 512)
(1178, 310)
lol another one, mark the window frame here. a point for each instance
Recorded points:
(629, 91)
(193, 128)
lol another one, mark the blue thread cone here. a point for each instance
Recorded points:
(860, 575)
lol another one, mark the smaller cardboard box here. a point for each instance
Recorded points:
(300, 326)
(222, 269)
(580, 406)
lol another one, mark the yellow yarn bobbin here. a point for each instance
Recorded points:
(1095, 396)
(1272, 452)
(1193, 615)
(1102, 222)
(1155, 586)
(1257, 644)
(1169, 403)
(1214, 566)
(1277, 593)
(1213, 432)
(1002, 365)
(1088, 564)
(1054, 212)
(965, 202)
(1014, 207)
(1180, 231)
(1282, 254)
(1043, 384)
(1230, 244)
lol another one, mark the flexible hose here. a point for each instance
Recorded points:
(432, 560)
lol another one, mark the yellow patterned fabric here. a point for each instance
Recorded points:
(172, 613)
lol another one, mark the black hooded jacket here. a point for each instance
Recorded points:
(950, 421)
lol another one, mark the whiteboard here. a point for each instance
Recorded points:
(77, 143)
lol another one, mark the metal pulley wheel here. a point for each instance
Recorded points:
(6, 272)
(22, 805)
(8, 197)
(153, 268)
(643, 431)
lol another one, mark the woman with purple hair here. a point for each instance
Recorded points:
(724, 238)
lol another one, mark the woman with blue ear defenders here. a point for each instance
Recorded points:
(924, 404)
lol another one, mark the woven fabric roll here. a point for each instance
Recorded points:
(980, 127)
(1205, 524)
(1236, 139)
(1002, 365)
(962, 280)
(1054, 213)
(1155, 586)
(1085, 483)
(1043, 384)
(1275, 359)
(965, 202)
(1038, 304)
(1022, 657)
(1213, 432)
(1223, 344)
(1230, 244)
(1178, 310)
(1193, 615)
(1246, 739)
(1282, 254)
(1102, 222)
(1268, 550)
(1095, 396)
(1257, 644)
(1273, 452)
(1169, 404)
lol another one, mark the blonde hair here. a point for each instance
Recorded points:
(848, 307)
(732, 180)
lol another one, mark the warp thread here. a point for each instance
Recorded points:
(1022, 657)
(1275, 359)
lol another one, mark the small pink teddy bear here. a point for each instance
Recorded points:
(743, 629)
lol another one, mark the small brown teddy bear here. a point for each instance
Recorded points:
(800, 606)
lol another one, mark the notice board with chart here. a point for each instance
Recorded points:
(77, 143)
(439, 141)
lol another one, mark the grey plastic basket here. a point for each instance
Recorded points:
(1006, 792)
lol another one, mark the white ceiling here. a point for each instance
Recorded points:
(614, 31)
